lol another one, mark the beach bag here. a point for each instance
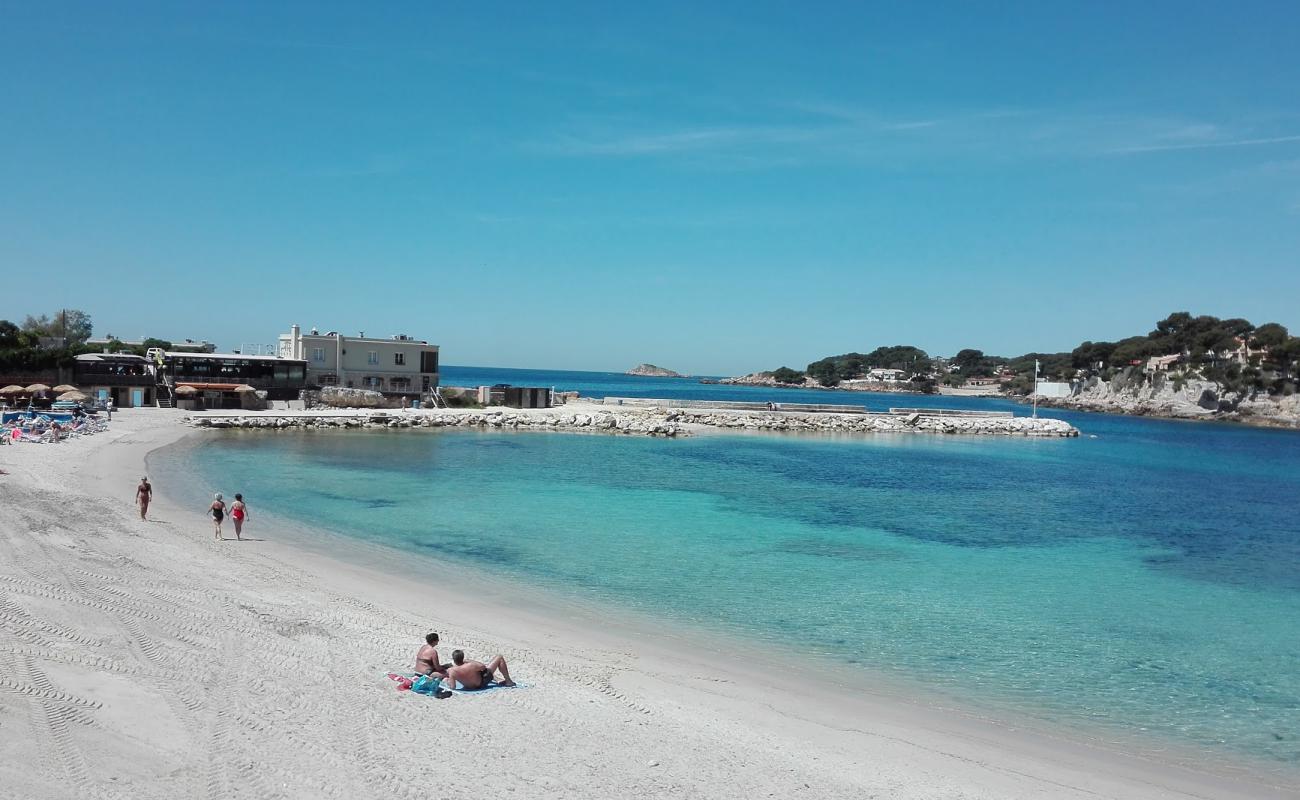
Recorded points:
(426, 684)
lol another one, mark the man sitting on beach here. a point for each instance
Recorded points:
(426, 659)
(475, 674)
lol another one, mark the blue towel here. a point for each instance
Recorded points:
(491, 687)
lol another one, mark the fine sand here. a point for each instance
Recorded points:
(144, 660)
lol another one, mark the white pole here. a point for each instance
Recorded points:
(1035, 388)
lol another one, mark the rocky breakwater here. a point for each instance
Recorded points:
(638, 421)
(630, 422)
(875, 423)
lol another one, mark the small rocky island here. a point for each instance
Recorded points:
(651, 371)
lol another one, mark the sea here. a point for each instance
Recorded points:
(1142, 579)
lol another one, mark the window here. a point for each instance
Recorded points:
(372, 357)
(318, 355)
(399, 359)
(372, 382)
(329, 379)
(429, 361)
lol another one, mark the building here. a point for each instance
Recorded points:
(1053, 389)
(130, 381)
(1161, 363)
(399, 365)
(219, 378)
(886, 375)
(515, 396)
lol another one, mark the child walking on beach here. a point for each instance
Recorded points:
(238, 513)
(218, 513)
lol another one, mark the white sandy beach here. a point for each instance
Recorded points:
(144, 660)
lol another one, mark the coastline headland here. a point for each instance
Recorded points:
(645, 419)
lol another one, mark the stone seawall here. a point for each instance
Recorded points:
(637, 421)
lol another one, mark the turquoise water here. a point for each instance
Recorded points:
(1148, 579)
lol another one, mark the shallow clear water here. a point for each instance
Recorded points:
(1146, 579)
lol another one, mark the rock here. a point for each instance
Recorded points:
(651, 371)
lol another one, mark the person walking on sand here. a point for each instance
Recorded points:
(475, 674)
(218, 513)
(239, 513)
(143, 494)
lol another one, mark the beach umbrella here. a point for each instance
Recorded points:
(13, 389)
(75, 396)
(64, 387)
(243, 387)
(38, 387)
(186, 390)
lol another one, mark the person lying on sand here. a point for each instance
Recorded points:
(475, 674)
(426, 659)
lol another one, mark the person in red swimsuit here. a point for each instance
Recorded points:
(239, 513)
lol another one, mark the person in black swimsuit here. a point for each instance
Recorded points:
(426, 659)
(218, 513)
(473, 675)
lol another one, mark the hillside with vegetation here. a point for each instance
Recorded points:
(1233, 354)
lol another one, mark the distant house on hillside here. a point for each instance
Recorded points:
(1243, 352)
(882, 375)
(983, 380)
(1161, 363)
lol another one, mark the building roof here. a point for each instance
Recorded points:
(241, 356)
(375, 339)
(211, 387)
(109, 357)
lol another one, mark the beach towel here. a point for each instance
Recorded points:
(491, 687)
(427, 685)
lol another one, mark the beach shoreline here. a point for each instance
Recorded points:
(636, 716)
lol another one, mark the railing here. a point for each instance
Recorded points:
(733, 405)
(949, 412)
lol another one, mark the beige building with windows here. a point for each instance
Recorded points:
(398, 365)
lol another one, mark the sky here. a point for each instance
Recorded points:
(715, 188)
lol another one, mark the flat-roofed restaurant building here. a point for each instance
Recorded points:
(399, 365)
(129, 380)
(218, 376)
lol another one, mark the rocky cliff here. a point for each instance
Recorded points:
(1189, 398)
(651, 371)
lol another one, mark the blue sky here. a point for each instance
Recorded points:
(715, 189)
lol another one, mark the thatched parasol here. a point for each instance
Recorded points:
(243, 387)
(75, 396)
(38, 387)
(65, 387)
(186, 390)
(13, 388)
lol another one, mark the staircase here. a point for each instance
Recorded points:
(163, 396)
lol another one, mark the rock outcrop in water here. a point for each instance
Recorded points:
(651, 371)
(642, 421)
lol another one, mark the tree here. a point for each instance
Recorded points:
(1134, 348)
(1171, 326)
(787, 375)
(968, 359)
(1270, 335)
(912, 360)
(8, 335)
(824, 372)
(70, 323)
(1089, 354)
(1238, 326)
